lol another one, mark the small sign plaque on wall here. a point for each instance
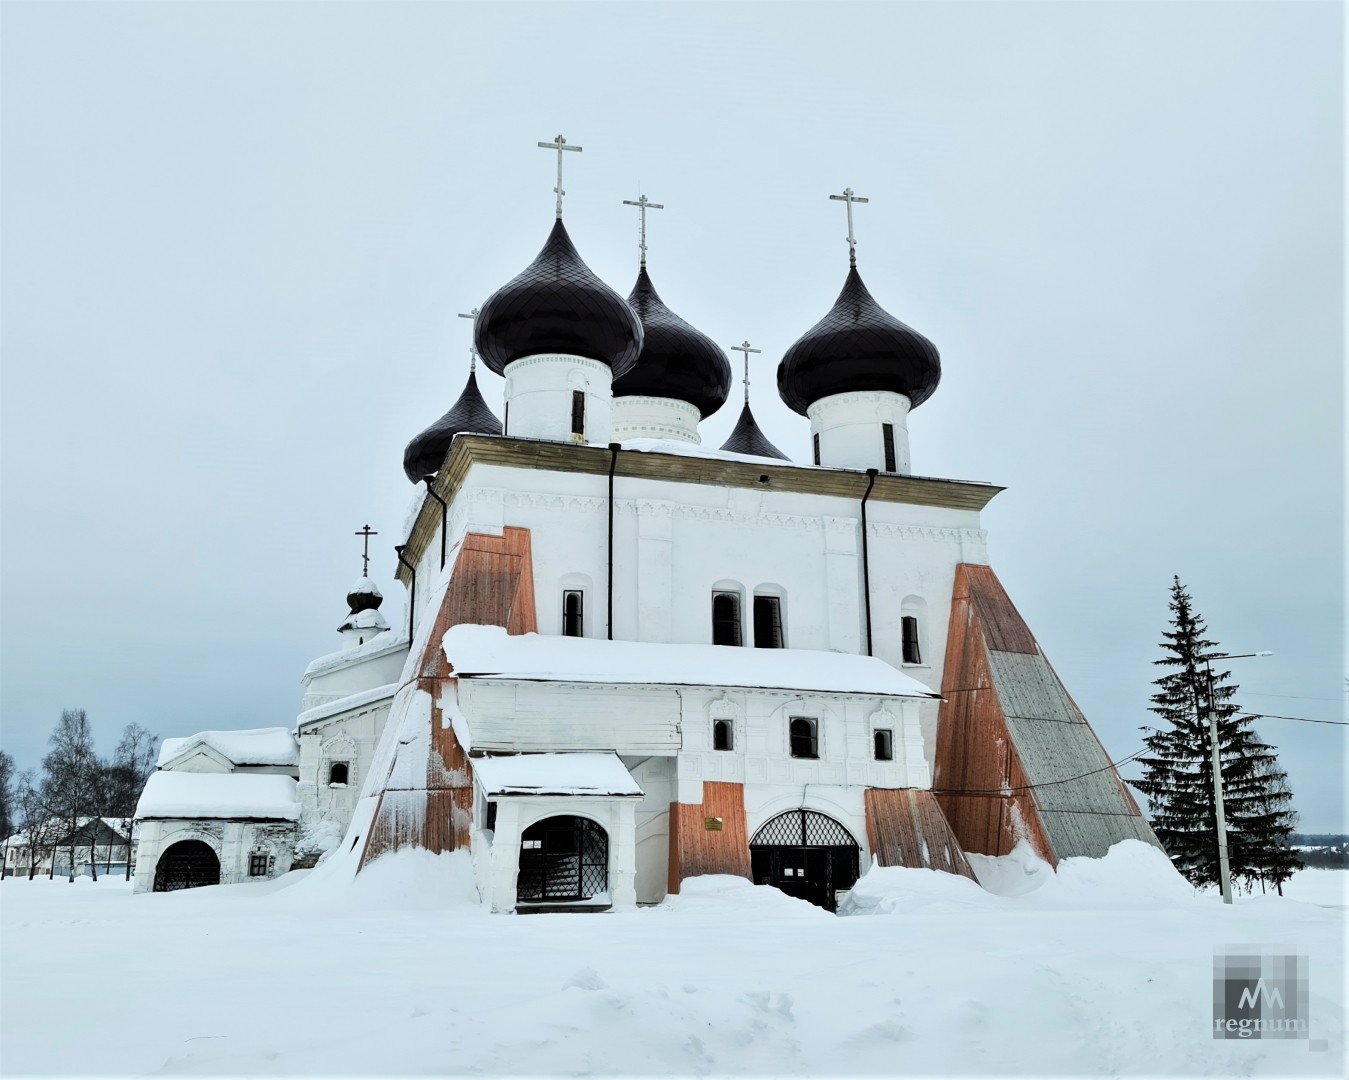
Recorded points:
(712, 824)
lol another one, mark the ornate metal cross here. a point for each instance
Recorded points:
(745, 348)
(643, 204)
(559, 144)
(472, 349)
(849, 198)
(366, 532)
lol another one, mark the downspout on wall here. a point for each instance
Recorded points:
(614, 448)
(866, 567)
(412, 589)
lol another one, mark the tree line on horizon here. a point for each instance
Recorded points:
(75, 784)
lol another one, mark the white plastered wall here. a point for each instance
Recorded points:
(232, 841)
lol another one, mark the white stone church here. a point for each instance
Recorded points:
(630, 658)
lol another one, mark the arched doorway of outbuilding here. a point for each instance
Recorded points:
(187, 864)
(806, 854)
(563, 860)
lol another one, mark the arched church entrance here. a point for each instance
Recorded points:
(186, 865)
(563, 859)
(805, 854)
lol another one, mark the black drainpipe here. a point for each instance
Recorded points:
(444, 515)
(866, 567)
(614, 448)
(412, 592)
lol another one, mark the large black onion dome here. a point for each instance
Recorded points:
(858, 346)
(426, 453)
(677, 361)
(748, 439)
(364, 596)
(557, 305)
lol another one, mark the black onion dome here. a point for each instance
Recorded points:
(364, 596)
(557, 305)
(858, 346)
(677, 361)
(748, 439)
(426, 453)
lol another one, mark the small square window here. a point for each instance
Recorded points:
(338, 772)
(257, 866)
(885, 744)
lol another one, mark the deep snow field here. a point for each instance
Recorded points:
(1104, 968)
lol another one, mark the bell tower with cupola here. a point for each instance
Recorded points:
(856, 374)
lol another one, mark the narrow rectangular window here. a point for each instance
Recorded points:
(506, 420)
(888, 434)
(578, 412)
(767, 622)
(722, 736)
(885, 745)
(573, 610)
(257, 866)
(909, 625)
(815, 443)
(725, 618)
(804, 738)
(491, 817)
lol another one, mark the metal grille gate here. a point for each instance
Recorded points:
(186, 865)
(562, 859)
(805, 854)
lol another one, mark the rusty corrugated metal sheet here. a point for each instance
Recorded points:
(908, 828)
(492, 583)
(1007, 723)
(696, 850)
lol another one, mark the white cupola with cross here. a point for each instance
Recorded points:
(559, 336)
(364, 621)
(856, 374)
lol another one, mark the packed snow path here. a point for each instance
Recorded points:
(1105, 969)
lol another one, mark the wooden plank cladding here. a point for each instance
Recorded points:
(469, 450)
(908, 828)
(1002, 707)
(427, 799)
(696, 848)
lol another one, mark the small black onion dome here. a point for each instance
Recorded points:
(364, 596)
(677, 361)
(748, 439)
(426, 453)
(858, 346)
(557, 305)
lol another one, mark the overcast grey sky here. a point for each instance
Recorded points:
(236, 236)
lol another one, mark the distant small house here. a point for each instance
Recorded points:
(96, 846)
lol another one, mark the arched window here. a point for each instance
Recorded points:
(723, 735)
(337, 772)
(725, 618)
(885, 744)
(573, 601)
(804, 737)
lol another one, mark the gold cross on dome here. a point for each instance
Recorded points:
(559, 144)
(849, 198)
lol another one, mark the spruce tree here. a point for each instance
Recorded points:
(1178, 769)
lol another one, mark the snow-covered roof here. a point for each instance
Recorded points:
(478, 651)
(219, 795)
(369, 619)
(364, 586)
(57, 828)
(345, 704)
(554, 774)
(376, 646)
(683, 449)
(249, 746)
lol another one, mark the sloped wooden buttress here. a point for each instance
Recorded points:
(492, 583)
(696, 849)
(907, 828)
(1009, 735)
